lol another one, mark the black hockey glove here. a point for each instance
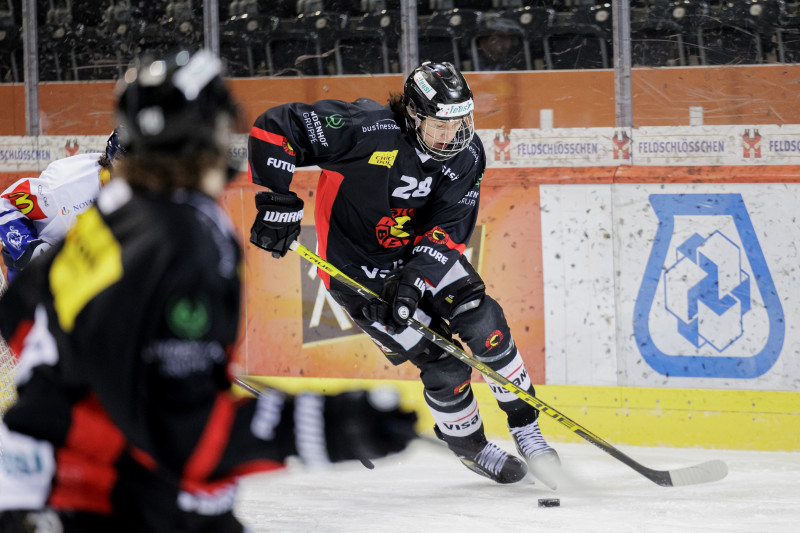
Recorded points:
(366, 425)
(402, 290)
(277, 223)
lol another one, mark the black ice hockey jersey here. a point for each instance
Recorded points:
(379, 201)
(125, 331)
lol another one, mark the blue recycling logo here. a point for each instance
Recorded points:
(691, 313)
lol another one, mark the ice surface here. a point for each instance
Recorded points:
(427, 489)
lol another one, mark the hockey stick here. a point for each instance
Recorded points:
(702, 473)
(247, 386)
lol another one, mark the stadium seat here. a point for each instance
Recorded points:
(581, 39)
(740, 32)
(304, 45)
(10, 45)
(447, 36)
(109, 46)
(243, 35)
(657, 34)
(370, 45)
(351, 8)
(160, 27)
(536, 23)
(788, 34)
(500, 44)
(58, 39)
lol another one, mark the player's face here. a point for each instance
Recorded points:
(439, 133)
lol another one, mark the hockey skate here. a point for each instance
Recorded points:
(485, 458)
(542, 460)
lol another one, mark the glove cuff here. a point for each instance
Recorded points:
(288, 199)
(412, 277)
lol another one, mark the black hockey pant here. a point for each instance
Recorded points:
(460, 307)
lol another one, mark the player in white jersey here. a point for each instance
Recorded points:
(35, 213)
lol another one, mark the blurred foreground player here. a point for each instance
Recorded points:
(396, 204)
(36, 213)
(126, 421)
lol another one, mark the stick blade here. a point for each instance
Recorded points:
(702, 473)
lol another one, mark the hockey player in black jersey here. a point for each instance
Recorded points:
(126, 420)
(396, 203)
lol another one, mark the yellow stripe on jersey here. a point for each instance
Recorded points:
(90, 261)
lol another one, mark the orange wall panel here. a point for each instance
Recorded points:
(753, 94)
(12, 109)
(763, 94)
(77, 108)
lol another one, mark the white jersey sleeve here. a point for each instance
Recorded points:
(46, 207)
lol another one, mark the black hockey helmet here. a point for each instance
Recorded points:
(114, 147)
(176, 107)
(438, 104)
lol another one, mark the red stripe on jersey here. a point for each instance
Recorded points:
(212, 443)
(263, 135)
(17, 339)
(85, 464)
(327, 189)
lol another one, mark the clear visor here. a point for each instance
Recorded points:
(442, 139)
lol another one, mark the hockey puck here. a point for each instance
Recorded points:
(549, 502)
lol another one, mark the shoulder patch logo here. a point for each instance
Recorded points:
(385, 159)
(287, 147)
(89, 262)
(334, 121)
(27, 203)
(438, 235)
(188, 318)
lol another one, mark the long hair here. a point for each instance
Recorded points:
(397, 103)
(104, 162)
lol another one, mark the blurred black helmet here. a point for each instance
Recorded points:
(439, 91)
(177, 106)
(114, 147)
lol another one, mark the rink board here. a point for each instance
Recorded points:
(581, 239)
(636, 416)
(578, 255)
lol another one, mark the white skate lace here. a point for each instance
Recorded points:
(491, 458)
(530, 440)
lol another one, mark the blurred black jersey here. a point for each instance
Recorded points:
(124, 332)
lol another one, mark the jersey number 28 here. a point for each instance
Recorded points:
(413, 188)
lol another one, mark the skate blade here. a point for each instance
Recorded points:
(546, 468)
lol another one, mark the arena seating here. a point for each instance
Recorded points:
(78, 41)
